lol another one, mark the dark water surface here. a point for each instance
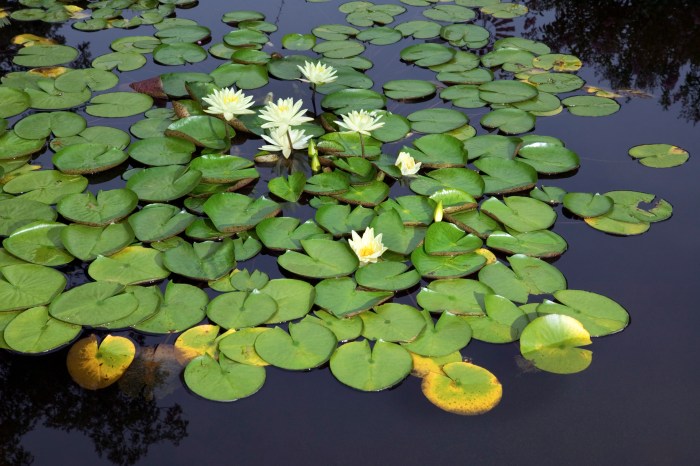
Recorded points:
(636, 404)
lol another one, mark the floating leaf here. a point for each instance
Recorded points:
(27, 285)
(387, 276)
(183, 307)
(239, 346)
(101, 210)
(130, 266)
(457, 296)
(307, 345)
(462, 388)
(362, 368)
(341, 297)
(118, 104)
(520, 213)
(93, 304)
(451, 333)
(157, 222)
(590, 106)
(34, 331)
(323, 259)
(162, 184)
(598, 314)
(87, 243)
(39, 243)
(223, 380)
(552, 343)
(241, 309)
(587, 205)
(94, 367)
(659, 155)
(45, 55)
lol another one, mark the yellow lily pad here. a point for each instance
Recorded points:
(463, 388)
(94, 367)
(488, 255)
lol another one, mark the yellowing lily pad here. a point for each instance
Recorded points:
(463, 388)
(94, 366)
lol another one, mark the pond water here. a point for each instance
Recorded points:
(635, 404)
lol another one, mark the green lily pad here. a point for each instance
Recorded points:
(407, 89)
(397, 237)
(39, 243)
(45, 55)
(162, 184)
(294, 298)
(223, 380)
(548, 158)
(362, 368)
(450, 13)
(446, 239)
(587, 205)
(122, 61)
(492, 145)
(240, 309)
(341, 297)
(419, 29)
(341, 219)
(282, 233)
(34, 331)
(95, 134)
(509, 120)
(549, 194)
(27, 285)
(557, 83)
(159, 151)
(451, 333)
(387, 276)
(659, 155)
(15, 213)
(118, 104)
(506, 92)
(446, 266)
(474, 221)
(539, 243)
(41, 125)
(289, 188)
(502, 176)
(243, 76)
(460, 179)
(87, 243)
(323, 259)
(105, 208)
(503, 281)
(392, 322)
(456, 296)
(503, 321)
(520, 213)
(93, 304)
(348, 100)
(598, 314)
(426, 55)
(201, 261)
(12, 146)
(307, 345)
(414, 210)
(45, 186)
(552, 344)
(437, 120)
(14, 101)
(183, 307)
(231, 212)
(590, 105)
(130, 266)
(225, 169)
(239, 346)
(246, 281)
(539, 276)
(157, 222)
(202, 130)
(296, 41)
(88, 158)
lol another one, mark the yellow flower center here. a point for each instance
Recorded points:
(231, 99)
(283, 108)
(367, 250)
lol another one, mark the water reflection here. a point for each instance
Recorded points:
(649, 45)
(38, 391)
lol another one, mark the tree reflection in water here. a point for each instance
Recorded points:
(649, 45)
(37, 391)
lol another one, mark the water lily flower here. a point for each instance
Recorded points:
(368, 248)
(317, 73)
(283, 114)
(286, 141)
(228, 103)
(361, 121)
(439, 212)
(407, 164)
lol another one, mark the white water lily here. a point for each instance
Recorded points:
(361, 121)
(317, 73)
(368, 248)
(283, 114)
(286, 141)
(407, 164)
(228, 103)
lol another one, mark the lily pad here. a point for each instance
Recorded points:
(590, 105)
(598, 314)
(201, 261)
(240, 309)
(39, 243)
(520, 213)
(183, 307)
(119, 104)
(587, 205)
(378, 368)
(223, 380)
(162, 184)
(446, 266)
(457, 296)
(15, 213)
(157, 222)
(451, 333)
(392, 322)
(539, 243)
(323, 259)
(101, 210)
(502, 176)
(231, 212)
(34, 331)
(93, 304)
(447, 239)
(659, 155)
(553, 343)
(387, 276)
(462, 388)
(27, 285)
(341, 297)
(94, 367)
(307, 345)
(87, 243)
(45, 55)
(130, 266)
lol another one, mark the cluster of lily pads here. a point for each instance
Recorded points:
(425, 200)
